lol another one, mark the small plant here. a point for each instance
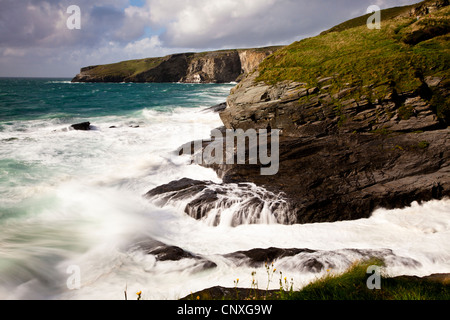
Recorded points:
(286, 287)
(423, 144)
(270, 269)
(406, 112)
(254, 286)
(236, 282)
(441, 104)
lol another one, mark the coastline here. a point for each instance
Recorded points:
(436, 281)
(351, 142)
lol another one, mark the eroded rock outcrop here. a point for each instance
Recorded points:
(351, 141)
(208, 201)
(349, 147)
(340, 162)
(206, 67)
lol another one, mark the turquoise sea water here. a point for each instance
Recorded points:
(35, 115)
(29, 99)
(74, 199)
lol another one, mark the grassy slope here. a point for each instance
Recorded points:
(350, 285)
(376, 61)
(386, 14)
(125, 68)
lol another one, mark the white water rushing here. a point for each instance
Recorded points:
(87, 210)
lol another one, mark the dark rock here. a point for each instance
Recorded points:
(217, 108)
(426, 34)
(258, 257)
(343, 163)
(204, 197)
(313, 265)
(222, 293)
(183, 186)
(440, 277)
(202, 204)
(330, 177)
(163, 252)
(348, 176)
(84, 126)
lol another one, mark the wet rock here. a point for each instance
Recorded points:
(207, 200)
(84, 126)
(163, 252)
(348, 176)
(259, 257)
(342, 161)
(182, 186)
(217, 108)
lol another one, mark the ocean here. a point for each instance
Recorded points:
(72, 211)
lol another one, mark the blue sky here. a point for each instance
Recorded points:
(137, 3)
(35, 40)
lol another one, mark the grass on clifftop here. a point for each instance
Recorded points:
(350, 285)
(131, 68)
(126, 68)
(378, 62)
(387, 14)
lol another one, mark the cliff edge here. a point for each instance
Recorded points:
(206, 67)
(363, 116)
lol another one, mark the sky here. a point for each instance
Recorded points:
(35, 40)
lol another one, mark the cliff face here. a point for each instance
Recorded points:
(373, 135)
(211, 67)
(341, 161)
(207, 67)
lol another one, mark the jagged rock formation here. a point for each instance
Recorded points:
(363, 124)
(350, 147)
(206, 67)
(205, 200)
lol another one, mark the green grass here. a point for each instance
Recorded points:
(351, 285)
(377, 62)
(386, 14)
(126, 68)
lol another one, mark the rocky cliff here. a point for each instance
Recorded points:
(206, 67)
(363, 116)
(354, 136)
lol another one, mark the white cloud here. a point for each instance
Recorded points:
(143, 47)
(34, 38)
(237, 23)
(14, 52)
(200, 23)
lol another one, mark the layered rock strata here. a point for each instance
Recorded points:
(207, 67)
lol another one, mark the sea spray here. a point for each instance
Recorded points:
(75, 199)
